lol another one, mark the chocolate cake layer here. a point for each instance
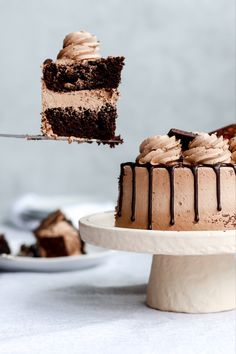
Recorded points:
(53, 247)
(81, 122)
(82, 75)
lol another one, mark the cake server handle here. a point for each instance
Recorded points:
(60, 138)
(24, 136)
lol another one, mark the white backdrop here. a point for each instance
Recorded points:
(180, 72)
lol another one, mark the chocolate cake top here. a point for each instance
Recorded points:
(79, 66)
(191, 148)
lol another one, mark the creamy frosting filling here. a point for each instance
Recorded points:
(60, 228)
(159, 149)
(79, 46)
(88, 99)
(208, 149)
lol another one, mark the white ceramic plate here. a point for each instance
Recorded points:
(94, 257)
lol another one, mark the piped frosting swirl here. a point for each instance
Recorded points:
(232, 146)
(208, 149)
(159, 150)
(79, 46)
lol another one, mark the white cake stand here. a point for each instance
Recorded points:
(192, 271)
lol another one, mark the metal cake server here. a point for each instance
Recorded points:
(115, 141)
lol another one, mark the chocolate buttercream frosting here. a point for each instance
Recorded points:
(208, 149)
(79, 46)
(159, 150)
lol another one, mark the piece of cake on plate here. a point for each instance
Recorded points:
(57, 237)
(174, 188)
(80, 90)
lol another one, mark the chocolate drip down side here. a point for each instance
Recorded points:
(133, 202)
(150, 188)
(172, 194)
(121, 179)
(217, 172)
(195, 179)
(171, 171)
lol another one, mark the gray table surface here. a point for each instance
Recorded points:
(100, 310)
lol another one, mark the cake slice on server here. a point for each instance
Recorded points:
(80, 90)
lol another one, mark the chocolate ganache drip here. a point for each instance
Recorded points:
(150, 184)
(133, 203)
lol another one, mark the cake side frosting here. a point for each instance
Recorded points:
(179, 195)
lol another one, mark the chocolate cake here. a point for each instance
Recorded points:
(57, 237)
(80, 90)
(4, 247)
(170, 188)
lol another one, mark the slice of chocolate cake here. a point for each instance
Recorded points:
(57, 237)
(4, 247)
(79, 90)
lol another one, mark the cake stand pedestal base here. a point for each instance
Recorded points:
(192, 284)
(192, 271)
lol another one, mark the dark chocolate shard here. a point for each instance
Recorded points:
(183, 135)
(228, 132)
(4, 247)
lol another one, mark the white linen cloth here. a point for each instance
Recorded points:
(28, 210)
(101, 310)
